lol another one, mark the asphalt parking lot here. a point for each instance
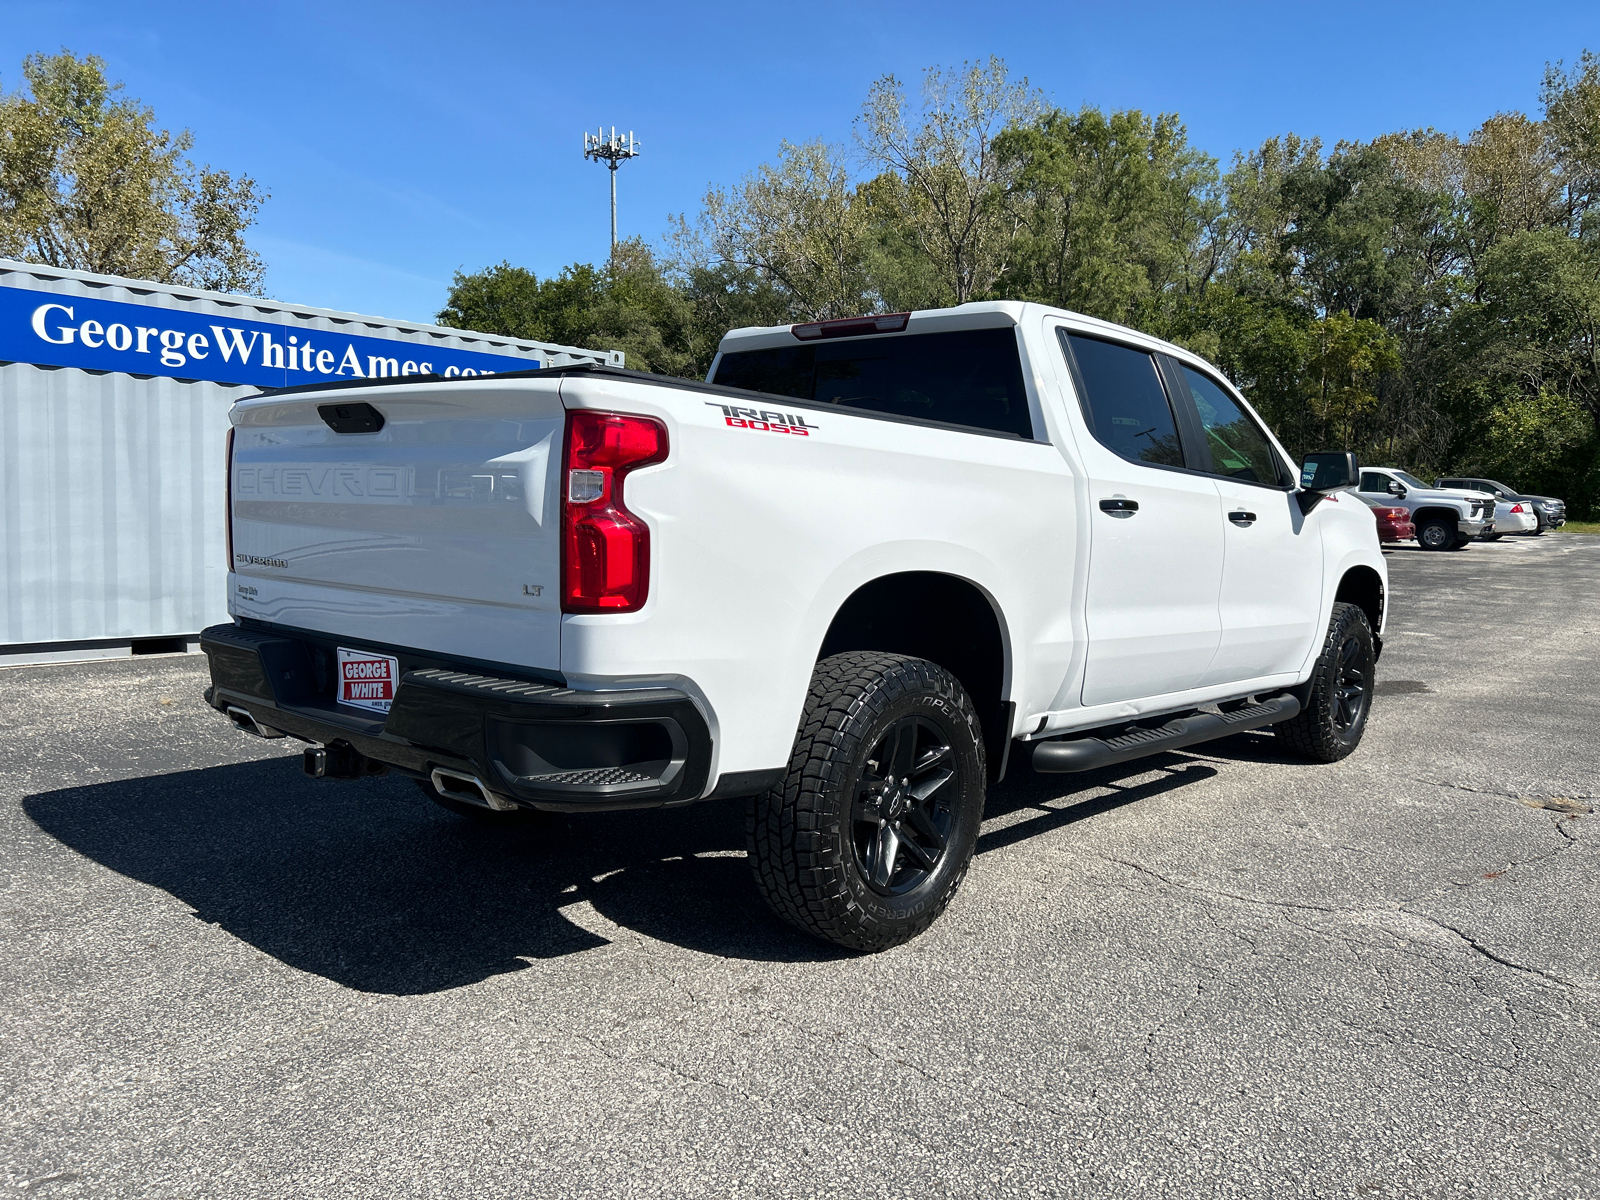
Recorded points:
(1215, 973)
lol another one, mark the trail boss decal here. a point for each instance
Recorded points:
(763, 419)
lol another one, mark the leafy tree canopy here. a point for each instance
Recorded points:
(88, 182)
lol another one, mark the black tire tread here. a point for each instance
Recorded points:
(1310, 732)
(797, 868)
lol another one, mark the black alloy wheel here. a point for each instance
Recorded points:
(902, 810)
(1354, 683)
(1338, 697)
(865, 840)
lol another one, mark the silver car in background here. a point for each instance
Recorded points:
(1548, 512)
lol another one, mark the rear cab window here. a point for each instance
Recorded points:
(967, 378)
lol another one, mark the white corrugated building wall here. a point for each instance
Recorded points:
(112, 437)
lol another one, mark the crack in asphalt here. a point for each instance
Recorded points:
(1465, 938)
(1222, 895)
(1480, 948)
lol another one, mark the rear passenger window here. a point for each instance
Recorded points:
(1239, 449)
(1124, 402)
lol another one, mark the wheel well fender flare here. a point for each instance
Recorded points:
(1364, 587)
(947, 618)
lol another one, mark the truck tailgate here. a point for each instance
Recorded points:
(438, 532)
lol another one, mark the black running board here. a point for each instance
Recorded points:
(1087, 753)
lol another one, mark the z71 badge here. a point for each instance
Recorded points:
(764, 420)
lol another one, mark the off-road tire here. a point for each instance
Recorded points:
(1446, 536)
(1317, 731)
(802, 835)
(476, 812)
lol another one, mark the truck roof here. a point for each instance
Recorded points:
(980, 314)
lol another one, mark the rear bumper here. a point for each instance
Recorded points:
(533, 742)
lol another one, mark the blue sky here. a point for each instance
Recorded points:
(403, 141)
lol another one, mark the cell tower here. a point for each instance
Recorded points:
(613, 151)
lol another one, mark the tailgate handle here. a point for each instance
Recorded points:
(351, 418)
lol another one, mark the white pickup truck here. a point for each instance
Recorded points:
(843, 578)
(1445, 519)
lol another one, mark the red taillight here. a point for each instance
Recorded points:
(1516, 508)
(851, 327)
(605, 549)
(227, 497)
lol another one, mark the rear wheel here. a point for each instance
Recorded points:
(1335, 714)
(1435, 533)
(870, 833)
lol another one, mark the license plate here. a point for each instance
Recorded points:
(367, 680)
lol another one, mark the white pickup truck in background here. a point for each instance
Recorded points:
(1445, 518)
(841, 578)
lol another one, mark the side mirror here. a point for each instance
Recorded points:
(1329, 470)
(1323, 472)
(1396, 488)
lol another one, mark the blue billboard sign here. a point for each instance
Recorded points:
(69, 330)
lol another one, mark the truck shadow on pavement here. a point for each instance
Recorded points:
(370, 885)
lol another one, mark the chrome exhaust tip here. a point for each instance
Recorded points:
(242, 719)
(469, 789)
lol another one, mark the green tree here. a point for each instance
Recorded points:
(628, 305)
(952, 196)
(88, 182)
(1571, 102)
(799, 225)
(1119, 216)
(1349, 358)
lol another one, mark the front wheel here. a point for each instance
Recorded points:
(869, 834)
(1335, 714)
(1435, 533)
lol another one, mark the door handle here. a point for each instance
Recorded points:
(1242, 519)
(1119, 507)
